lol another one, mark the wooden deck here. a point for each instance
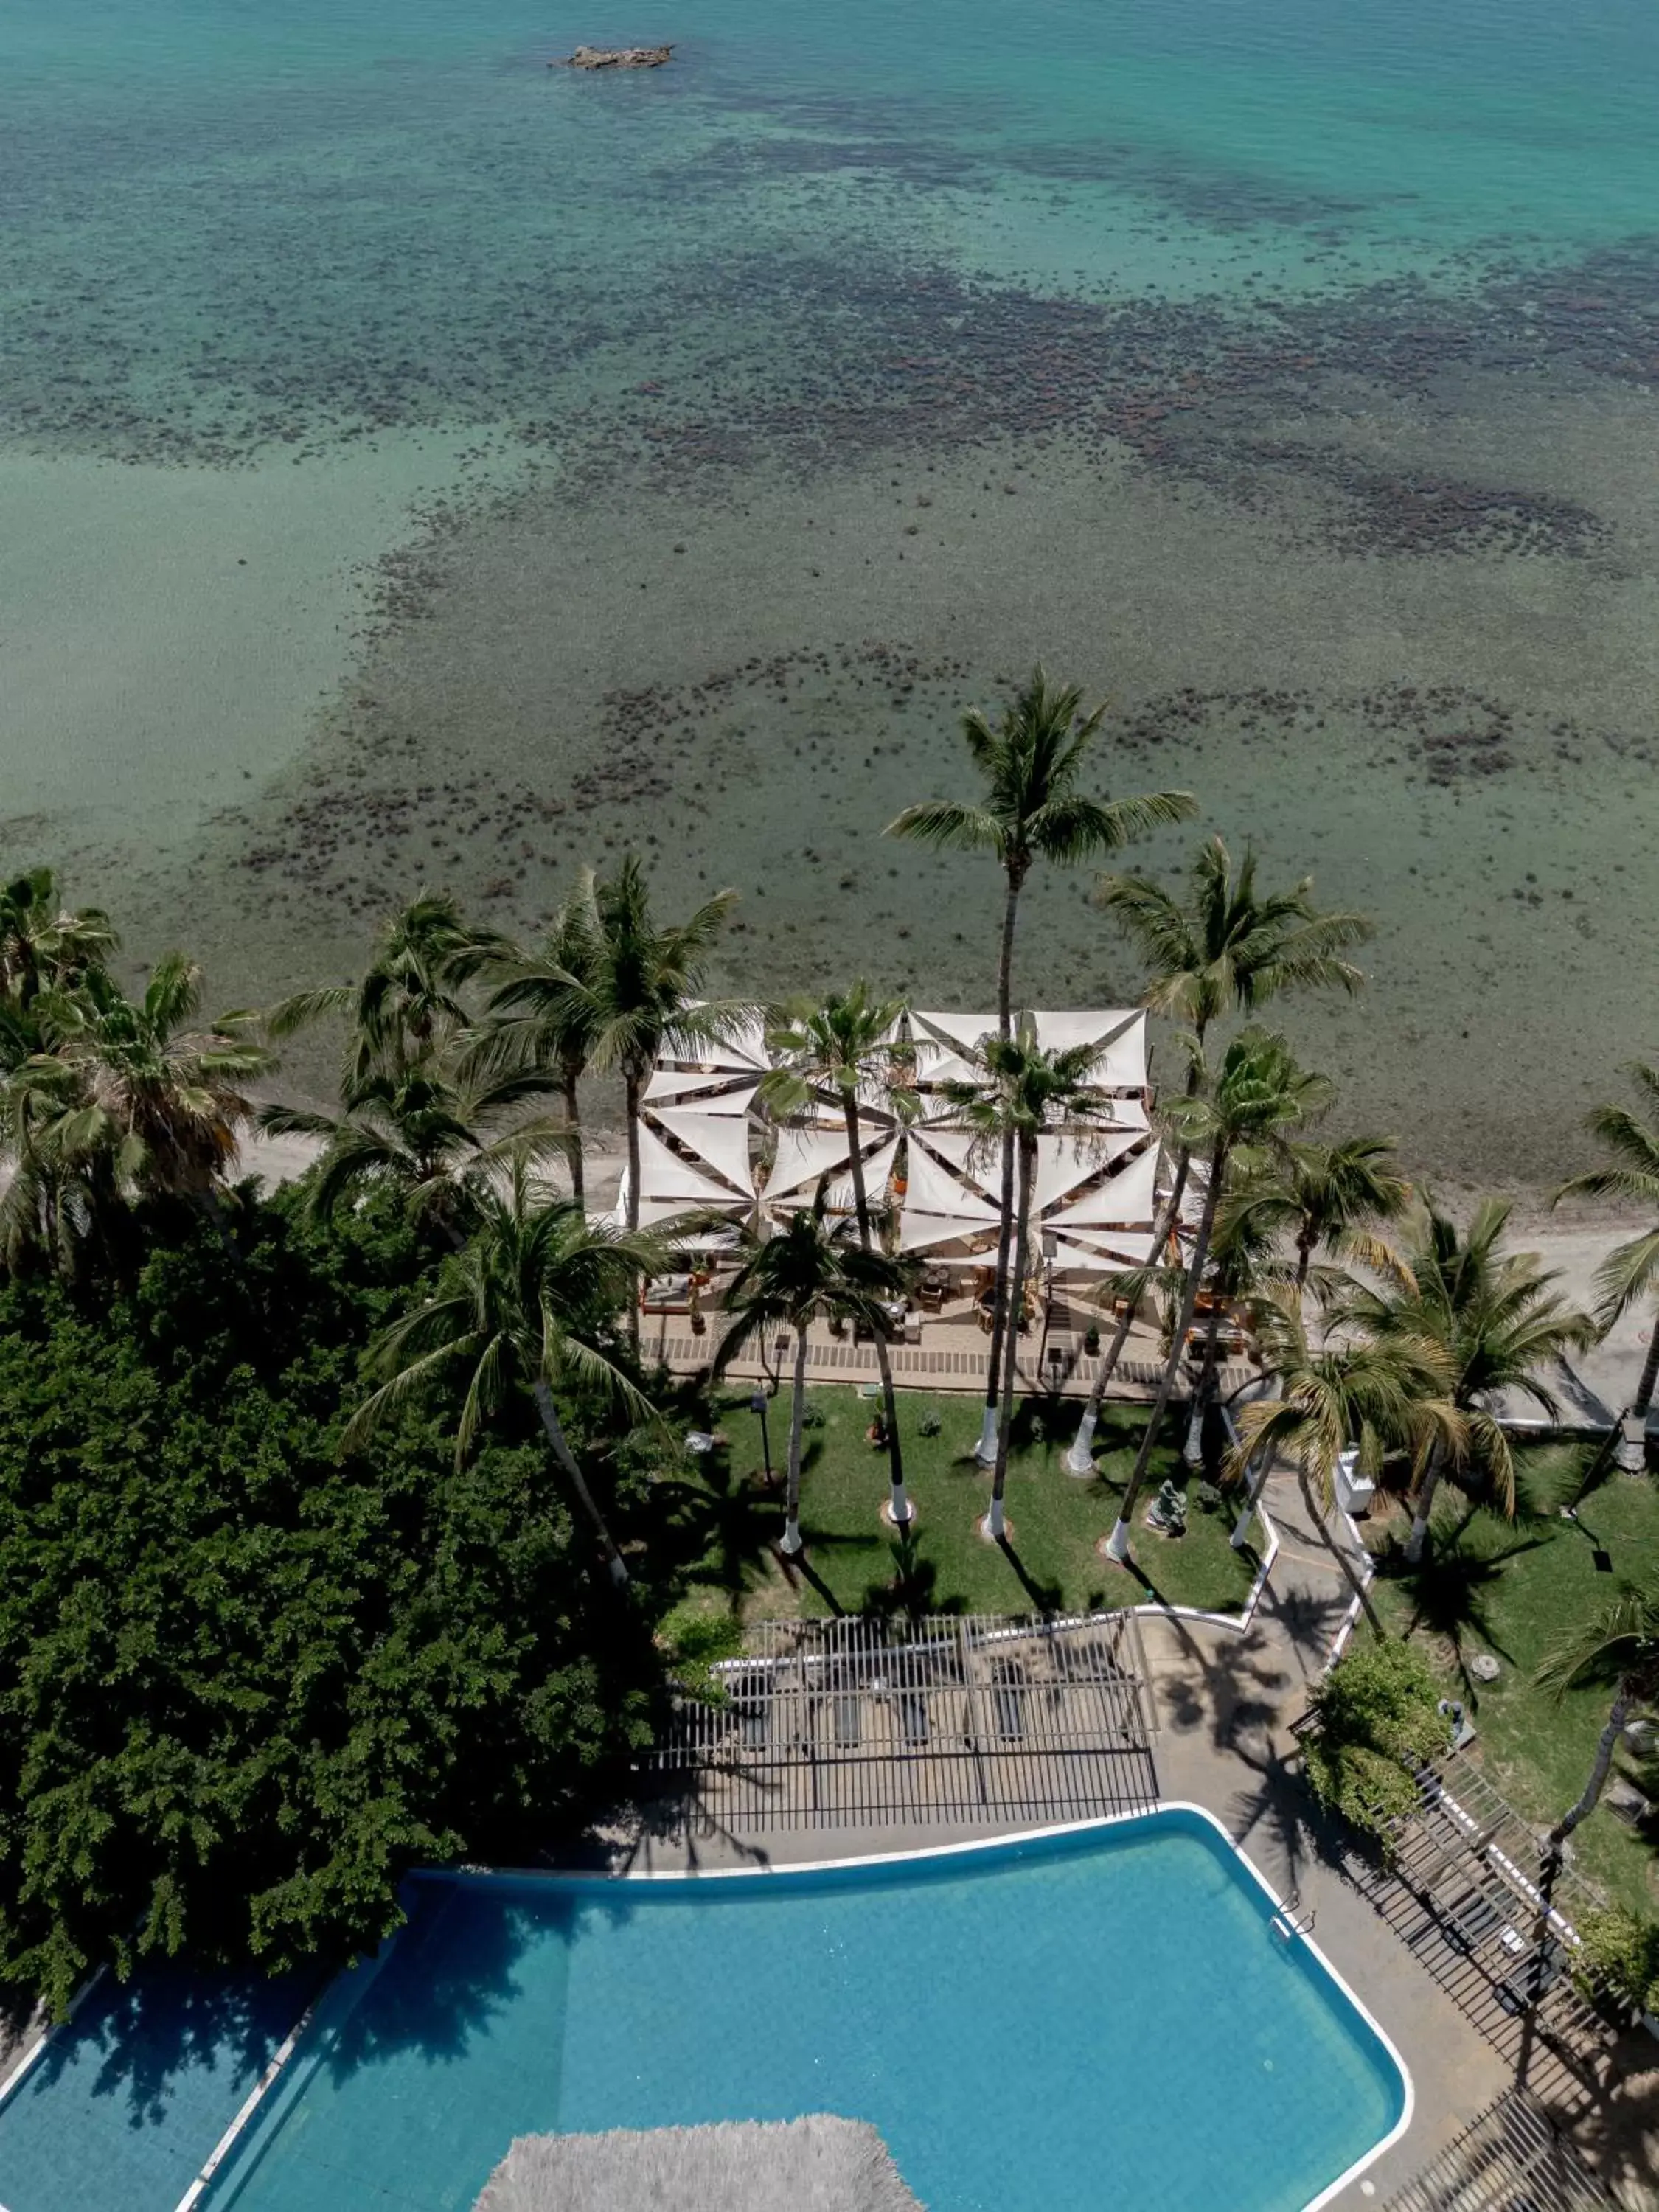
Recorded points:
(952, 1355)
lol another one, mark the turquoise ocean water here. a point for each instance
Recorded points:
(382, 411)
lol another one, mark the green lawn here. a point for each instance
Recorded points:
(1512, 1589)
(1050, 1563)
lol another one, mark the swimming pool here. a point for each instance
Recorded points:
(1092, 2016)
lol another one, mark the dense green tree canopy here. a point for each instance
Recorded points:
(245, 1683)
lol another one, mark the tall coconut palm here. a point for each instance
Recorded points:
(1030, 760)
(528, 1304)
(1630, 1270)
(1500, 1326)
(640, 992)
(1226, 947)
(1241, 1266)
(1619, 1644)
(1355, 1392)
(1236, 1117)
(408, 1000)
(542, 1015)
(839, 1052)
(133, 1088)
(420, 1131)
(1022, 1094)
(1330, 1199)
(813, 1268)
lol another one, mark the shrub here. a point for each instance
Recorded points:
(929, 1426)
(1623, 1952)
(1377, 1711)
(1210, 1498)
(696, 1644)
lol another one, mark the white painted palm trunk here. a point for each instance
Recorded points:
(791, 1541)
(994, 1524)
(1117, 1544)
(1080, 1460)
(899, 1508)
(985, 1452)
(1193, 1450)
(1632, 1455)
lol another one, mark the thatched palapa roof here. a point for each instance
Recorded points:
(816, 2165)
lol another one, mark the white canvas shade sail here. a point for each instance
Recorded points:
(721, 1141)
(667, 1179)
(1129, 1198)
(918, 1231)
(932, 1188)
(839, 1196)
(1120, 1037)
(745, 1048)
(1128, 1249)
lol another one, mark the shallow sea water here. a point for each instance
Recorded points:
(1283, 373)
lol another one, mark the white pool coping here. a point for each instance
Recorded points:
(487, 1877)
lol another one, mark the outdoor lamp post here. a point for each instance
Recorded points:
(757, 1404)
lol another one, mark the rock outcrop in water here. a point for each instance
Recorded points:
(599, 58)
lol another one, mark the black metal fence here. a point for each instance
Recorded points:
(882, 1723)
(1511, 2156)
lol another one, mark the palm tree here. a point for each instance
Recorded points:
(1619, 1642)
(542, 1015)
(1631, 1271)
(1499, 1325)
(46, 946)
(1227, 948)
(840, 1051)
(408, 1001)
(639, 991)
(1241, 1266)
(129, 1090)
(527, 1302)
(1023, 1093)
(1238, 1118)
(1328, 1198)
(814, 1267)
(1031, 759)
(420, 1131)
(1373, 1393)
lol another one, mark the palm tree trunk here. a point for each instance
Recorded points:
(994, 1524)
(584, 1497)
(791, 1541)
(1632, 1454)
(1599, 1773)
(987, 1449)
(1194, 1452)
(1256, 1481)
(1645, 1388)
(899, 1504)
(573, 1115)
(1079, 1460)
(631, 1093)
(1117, 1545)
(1425, 1505)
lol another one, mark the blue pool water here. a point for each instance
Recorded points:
(129, 2098)
(1098, 2018)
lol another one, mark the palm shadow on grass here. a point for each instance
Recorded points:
(1450, 1593)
